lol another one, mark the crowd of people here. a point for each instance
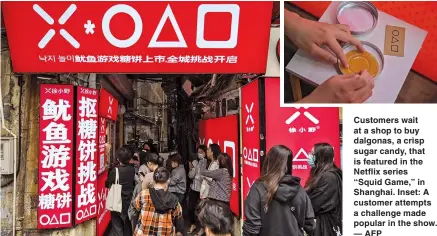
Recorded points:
(155, 194)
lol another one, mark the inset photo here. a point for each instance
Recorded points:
(360, 52)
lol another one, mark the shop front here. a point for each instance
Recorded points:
(80, 124)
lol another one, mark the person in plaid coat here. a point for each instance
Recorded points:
(161, 213)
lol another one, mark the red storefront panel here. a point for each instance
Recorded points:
(224, 132)
(55, 168)
(86, 153)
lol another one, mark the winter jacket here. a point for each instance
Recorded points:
(220, 187)
(178, 180)
(288, 214)
(195, 175)
(326, 199)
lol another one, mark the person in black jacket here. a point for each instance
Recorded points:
(324, 187)
(121, 225)
(277, 205)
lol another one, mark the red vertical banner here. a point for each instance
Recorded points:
(102, 144)
(103, 215)
(211, 131)
(300, 128)
(250, 114)
(86, 154)
(108, 105)
(55, 167)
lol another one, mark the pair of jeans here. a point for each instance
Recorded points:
(121, 226)
(193, 200)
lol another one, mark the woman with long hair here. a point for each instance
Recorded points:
(196, 166)
(277, 205)
(220, 187)
(161, 213)
(324, 187)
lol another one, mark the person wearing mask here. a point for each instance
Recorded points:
(322, 41)
(178, 177)
(145, 181)
(196, 167)
(277, 205)
(220, 187)
(212, 154)
(160, 211)
(324, 187)
(216, 218)
(120, 221)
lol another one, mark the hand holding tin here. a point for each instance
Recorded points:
(312, 36)
(351, 88)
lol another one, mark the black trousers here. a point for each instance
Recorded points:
(120, 226)
(193, 201)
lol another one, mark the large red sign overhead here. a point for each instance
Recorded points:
(138, 37)
(103, 215)
(108, 105)
(86, 154)
(224, 132)
(102, 145)
(55, 168)
(299, 128)
(251, 135)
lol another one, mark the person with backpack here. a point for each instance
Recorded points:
(161, 213)
(277, 205)
(324, 187)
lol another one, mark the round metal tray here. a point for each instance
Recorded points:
(360, 8)
(372, 49)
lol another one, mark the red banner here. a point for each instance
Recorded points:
(250, 115)
(102, 144)
(299, 128)
(103, 215)
(86, 154)
(55, 168)
(212, 131)
(108, 105)
(134, 37)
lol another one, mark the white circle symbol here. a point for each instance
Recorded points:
(46, 222)
(122, 8)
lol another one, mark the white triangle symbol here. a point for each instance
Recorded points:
(299, 153)
(54, 220)
(168, 14)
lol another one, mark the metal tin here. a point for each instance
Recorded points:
(363, 14)
(372, 49)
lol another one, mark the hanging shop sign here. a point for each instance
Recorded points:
(55, 168)
(102, 145)
(103, 215)
(300, 128)
(211, 131)
(108, 105)
(138, 37)
(86, 154)
(250, 114)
